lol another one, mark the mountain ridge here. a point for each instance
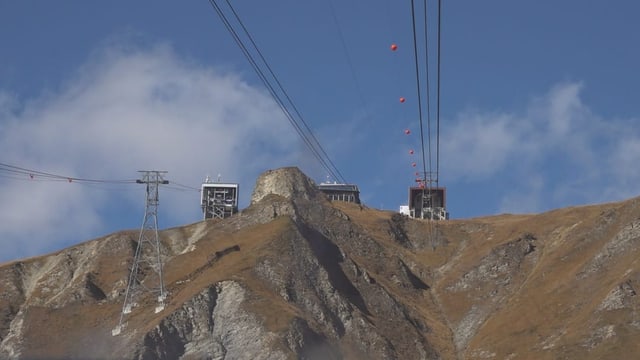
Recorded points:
(296, 276)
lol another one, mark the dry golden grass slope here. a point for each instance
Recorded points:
(298, 277)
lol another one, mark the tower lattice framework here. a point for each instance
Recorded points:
(146, 271)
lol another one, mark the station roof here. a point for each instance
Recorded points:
(221, 185)
(338, 187)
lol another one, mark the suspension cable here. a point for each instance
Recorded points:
(438, 93)
(345, 50)
(13, 172)
(42, 175)
(426, 57)
(415, 54)
(337, 175)
(309, 138)
(266, 83)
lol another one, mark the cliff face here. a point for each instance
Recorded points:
(296, 277)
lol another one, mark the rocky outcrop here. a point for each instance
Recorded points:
(496, 275)
(289, 183)
(212, 325)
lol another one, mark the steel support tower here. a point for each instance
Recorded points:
(146, 271)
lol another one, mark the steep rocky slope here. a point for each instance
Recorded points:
(294, 276)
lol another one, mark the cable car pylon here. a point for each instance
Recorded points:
(147, 259)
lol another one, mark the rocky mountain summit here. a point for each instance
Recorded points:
(295, 276)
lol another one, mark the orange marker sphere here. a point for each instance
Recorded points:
(394, 47)
(402, 99)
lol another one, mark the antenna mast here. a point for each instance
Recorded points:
(147, 258)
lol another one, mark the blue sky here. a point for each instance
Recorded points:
(539, 106)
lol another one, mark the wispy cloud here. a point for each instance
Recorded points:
(126, 110)
(481, 144)
(556, 152)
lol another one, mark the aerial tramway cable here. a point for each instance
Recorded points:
(30, 174)
(308, 137)
(427, 156)
(19, 173)
(345, 50)
(428, 90)
(430, 178)
(415, 53)
(438, 96)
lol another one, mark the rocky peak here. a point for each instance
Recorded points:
(288, 182)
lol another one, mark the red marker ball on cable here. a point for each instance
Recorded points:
(413, 164)
(402, 99)
(407, 131)
(411, 152)
(394, 47)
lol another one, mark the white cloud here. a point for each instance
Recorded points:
(564, 108)
(124, 111)
(478, 145)
(624, 165)
(557, 152)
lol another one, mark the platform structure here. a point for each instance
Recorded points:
(340, 192)
(426, 203)
(219, 200)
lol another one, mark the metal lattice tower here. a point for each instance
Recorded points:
(147, 261)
